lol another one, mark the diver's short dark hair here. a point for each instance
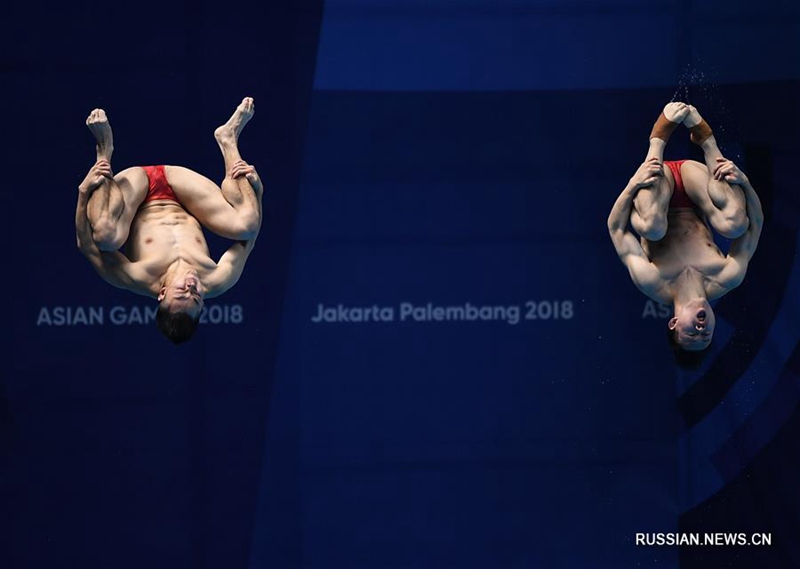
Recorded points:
(686, 359)
(177, 326)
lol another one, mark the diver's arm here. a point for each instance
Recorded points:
(113, 267)
(743, 248)
(646, 175)
(229, 267)
(643, 273)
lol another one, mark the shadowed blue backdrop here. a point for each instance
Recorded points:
(451, 154)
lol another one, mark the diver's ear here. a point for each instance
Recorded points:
(162, 294)
(673, 323)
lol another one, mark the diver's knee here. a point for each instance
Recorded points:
(106, 236)
(652, 227)
(734, 226)
(248, 225)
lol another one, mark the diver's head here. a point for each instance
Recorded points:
(693, 325)
(180, 302)
(690, 332)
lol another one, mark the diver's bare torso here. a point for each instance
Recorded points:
(163, 233)
(688, 246)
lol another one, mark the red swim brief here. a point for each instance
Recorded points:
(159, 188)
(679, 199)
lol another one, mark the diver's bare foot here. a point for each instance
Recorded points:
(97, 121)
(693, 118)
(672, 115)
(700, 131)
(676, 112)
(229, 132)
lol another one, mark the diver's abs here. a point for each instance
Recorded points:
(162, 235)
(686, 247)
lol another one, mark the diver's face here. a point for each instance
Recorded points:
(694, 325)
(183, 294)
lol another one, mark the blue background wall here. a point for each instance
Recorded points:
(415, 152)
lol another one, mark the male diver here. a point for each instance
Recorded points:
(156, 213)
(674, 260)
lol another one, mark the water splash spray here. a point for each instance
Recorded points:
(696, 82)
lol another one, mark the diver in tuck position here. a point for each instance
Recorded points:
(157, 212)
(674, 260)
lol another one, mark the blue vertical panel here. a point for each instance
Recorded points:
(465, 155)
(118, 449)
(484, 439)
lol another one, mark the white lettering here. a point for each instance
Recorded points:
(96, 315)
(466, 312)
(80, 316)
(654, 309)
(68, 316)
(135, 316)
(60, 315)
(44, 317)
(117, 315)
(342, 313)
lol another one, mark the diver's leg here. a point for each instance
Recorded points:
(234, 210)
(242, 190)
(722, 203)
(112, 206)
(651, 204)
